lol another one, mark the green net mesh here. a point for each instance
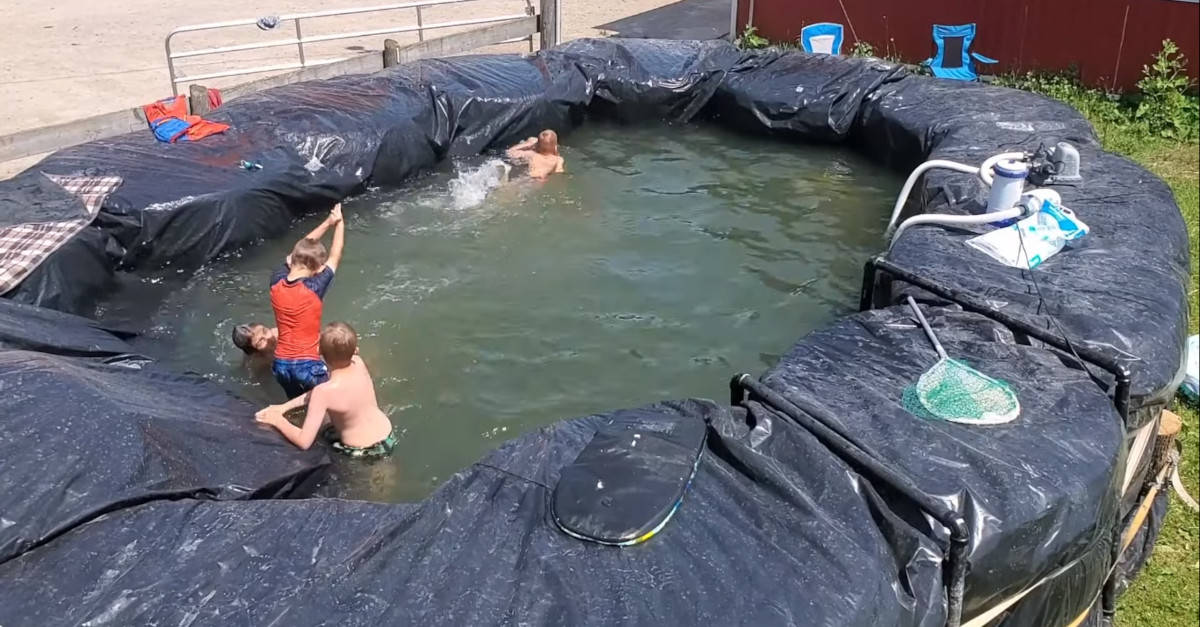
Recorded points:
(956, 392)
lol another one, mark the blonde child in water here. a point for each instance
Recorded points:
(540, 154)
(358, 427)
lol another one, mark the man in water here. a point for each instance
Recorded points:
(540, 154)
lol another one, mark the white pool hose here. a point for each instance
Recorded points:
(984, 172)
(959, 220)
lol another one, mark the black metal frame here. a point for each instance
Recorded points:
(970, 302)
(1120, 392)
(822, 424)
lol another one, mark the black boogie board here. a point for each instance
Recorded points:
(631, 478)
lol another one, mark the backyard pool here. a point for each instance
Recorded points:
(663, 261)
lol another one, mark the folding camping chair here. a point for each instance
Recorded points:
(822, 38)
(953, 59)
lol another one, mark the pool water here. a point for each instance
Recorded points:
(664, 261)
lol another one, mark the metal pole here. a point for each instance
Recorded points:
(551, 17)
(558, 22)
(299, 42)
(170, 62)
(532, 12)
(733, 7)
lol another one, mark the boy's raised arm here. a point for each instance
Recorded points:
(525, 146)
(339, 239)
(319, 231)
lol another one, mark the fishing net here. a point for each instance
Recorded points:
(953, 391)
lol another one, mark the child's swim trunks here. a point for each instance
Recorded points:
(382, 448)
(298, 376)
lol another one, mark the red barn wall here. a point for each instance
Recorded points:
(1022, 35)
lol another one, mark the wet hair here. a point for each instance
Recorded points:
(338, 343)
(309, 253)
(243, 336)
(549, 137)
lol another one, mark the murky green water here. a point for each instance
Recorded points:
(666, 260)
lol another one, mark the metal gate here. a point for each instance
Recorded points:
(299, 40)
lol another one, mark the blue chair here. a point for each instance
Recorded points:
(822, 38)
(954, 54)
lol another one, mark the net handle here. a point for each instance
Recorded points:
(928, 331)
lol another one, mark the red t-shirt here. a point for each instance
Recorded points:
(297, 306)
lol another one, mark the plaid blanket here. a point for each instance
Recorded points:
(23, 247)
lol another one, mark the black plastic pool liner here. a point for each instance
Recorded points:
(817, 420)
(880, 265)
(91, 427)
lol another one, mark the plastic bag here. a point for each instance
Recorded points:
(1033, 240)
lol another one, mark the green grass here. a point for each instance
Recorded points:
(1165, 593)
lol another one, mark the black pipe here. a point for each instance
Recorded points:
(1108, 594)
(737, 395)
(818, 421)
(866, 297)
(970, 302)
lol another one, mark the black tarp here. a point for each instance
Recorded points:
(757, 541)
(777, 528)
(1038, 493)
(89, 427)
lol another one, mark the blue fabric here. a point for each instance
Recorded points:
(168, 129)
(821, 28)
(958, 68)
(297, 376)
(982, 59)
(318, 283)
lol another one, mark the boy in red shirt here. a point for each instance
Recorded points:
(297, 289)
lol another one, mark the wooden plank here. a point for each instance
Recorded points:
(390, 46)
(467, 40)
(50, 138)
(198, 100)
(550, 16)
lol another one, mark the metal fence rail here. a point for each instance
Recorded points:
(299, 40)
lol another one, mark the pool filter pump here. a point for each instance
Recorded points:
(1059, 166)
(1004, 175)
(1008, 179)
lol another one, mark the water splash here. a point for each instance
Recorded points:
(470, 188)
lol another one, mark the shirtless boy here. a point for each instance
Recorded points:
(359, 427)
(540, 154)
